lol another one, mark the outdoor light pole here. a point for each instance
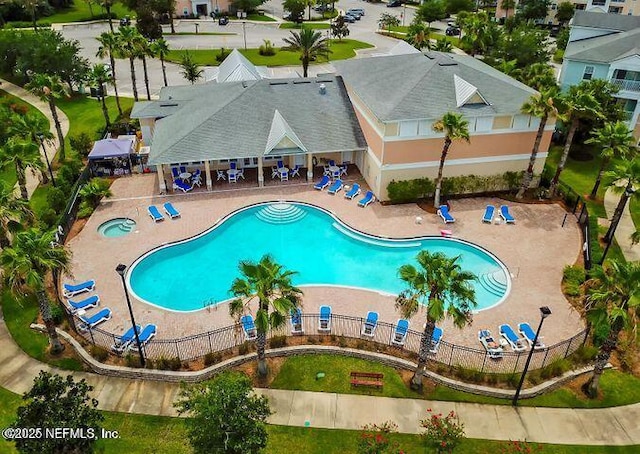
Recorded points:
(544, 312)
(121, 269)
(46, 158)
(244, 35)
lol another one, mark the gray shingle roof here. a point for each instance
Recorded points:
(415, 86)
(605, 49)
(607, 21)
(234, 119)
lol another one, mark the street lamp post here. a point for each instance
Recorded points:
(404, 13)
(244, 35)
(121, 269)
(544, 312)
(46, 158)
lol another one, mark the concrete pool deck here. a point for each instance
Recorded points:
(535, 250)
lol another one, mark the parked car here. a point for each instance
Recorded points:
(125, 21)
(356, 11)
(322, 7)
(452, 30)
(394, 3)
(223, 20)
(297, 19)
(349, 18)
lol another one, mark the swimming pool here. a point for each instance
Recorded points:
(194, 273)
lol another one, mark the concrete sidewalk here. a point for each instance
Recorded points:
(52, 145)
(610, 426)
(626, 227)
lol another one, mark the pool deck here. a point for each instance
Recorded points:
(535, 250)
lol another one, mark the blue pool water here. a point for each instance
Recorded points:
(191, 274)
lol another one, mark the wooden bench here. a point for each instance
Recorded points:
(372, 379)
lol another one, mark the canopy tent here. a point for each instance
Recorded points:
(112, 156)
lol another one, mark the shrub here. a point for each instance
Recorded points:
(342, 342)
(558, 56)
(56, 199)
(99, 353)
(245, 348)
(442, 433)
(574, 273)
(212, 358)
(374, 439)
(627, 354)
(519, 447)
(222, 55)
(167, 363)
(94, 191)
(555, 369)
(57, 314)
(81, 143)
(278, 341)
(585, 354)
(85, 210)
(48, 217)
(410, 190)
(312, 340)
(513, 380)
(267, 49)
(133, 361)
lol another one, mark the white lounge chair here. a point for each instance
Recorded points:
(516, 342)
(400, 333)
(296, 322)
(324, 321)
(249, 327)
(72, 290)
(529, 334)
(370, 324)
(493, 348)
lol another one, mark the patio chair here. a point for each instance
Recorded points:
(121, 343)
(335, 187)
(443, 212)
(233, 177)
(493, 348)
(184, 187)
(335, 174)
(529, 335)
(221, 175)
(343, 170)
(240, 174)
(87, 303)
(296, 321)
(400, 333)
(196, 180)
(148, 333)
(488, 214)
(171, 210)
(324, 320)
(284, 176)
(436, 337)
(504, 214)
(96, 319)
(326, 171)
(295, 172)
(175, 172)
(72, 290)
(249, 327)
(367, 199)
(232, 165)
(332, 163)
(280, 164)
(155, 213)
(516, 342)
(274, 172)
(322, 183)
(370, 324)
(353, 192)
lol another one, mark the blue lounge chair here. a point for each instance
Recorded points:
(370, 324)
(96, 319)
(353, 192)
(249, 328)
(171, 210)
(322, 183)
(368, 198)
(296, 321)
(335, 187)
(400, 334)
(85, 304)
(184, 187)
(488, 214)
(155, 213)
(504, 214)
(324, 321)
(72, 290)
(443, 211)
(122, 342)
(493, 348)
(515, 341)
(436, 337)
(148, 333)
(175, 172)
(529, 335)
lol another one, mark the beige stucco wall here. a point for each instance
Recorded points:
(371, 135)
(371, 172)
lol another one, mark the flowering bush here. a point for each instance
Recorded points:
(520, 447)
(375, 439)
(443, 433)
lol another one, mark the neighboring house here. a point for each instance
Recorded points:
(620, 7)
(606, 46)
(253, 123)
(201, 7)
(397, 100)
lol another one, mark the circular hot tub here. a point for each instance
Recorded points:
(117, 227)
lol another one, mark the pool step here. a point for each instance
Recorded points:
(495, 282)
(281, 213)
(366, 239)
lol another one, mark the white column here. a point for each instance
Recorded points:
(260, 172)
(309, 167)
(161, 182)
(207, 175)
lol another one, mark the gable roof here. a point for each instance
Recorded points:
(244, 119)
(236, 67)
(605, 49)
(607, 21)
(465, 92)
(421, 85)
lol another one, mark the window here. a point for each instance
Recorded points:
(521, 122)
(408, 128)
(588, 73)
(425, 128)
(484, 124)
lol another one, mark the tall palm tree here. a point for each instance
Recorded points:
(614, 139)
(612, 308)
(160, 48)
(35, 128)
(27, 263)
(539, 76)
(109, 48)
(128, 38)
(32, 7)
(270, 285)
(628, 172)
(13, 212)
(144, 51)
(190, 69)
(455, 128)
(21, 154)
(107, 5)
(310, 44)
(444, 289)
(442, 45)
(48, 89)
(507, 5)
(575, 105)
(98, 77)
(541, 105)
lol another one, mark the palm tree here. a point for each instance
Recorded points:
(507, 5)
(35, 128)
(614, 139)
(542, 106)
(160, 48)
(444, 289)
(94, 191)
(442, 45)
(107, 4)
(612, 308)
(21, 154)
(48, 89)
(418, 34)
(454, 128)
(577, 104)
(32, 7)
(629, 173)
(13, 212)
(190, 69)
(27, 263)
(143, 50)
(127, 48)
(539, 76)
(270, 285)
(310, 44)
(98, 77)
(108, 48)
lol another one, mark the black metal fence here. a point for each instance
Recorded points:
(225, 340)
(68, 217)
(581, 212)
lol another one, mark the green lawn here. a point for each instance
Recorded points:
(200, 33)
(80, 12)
(340, 50)
(255, 17)
(293, 25)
